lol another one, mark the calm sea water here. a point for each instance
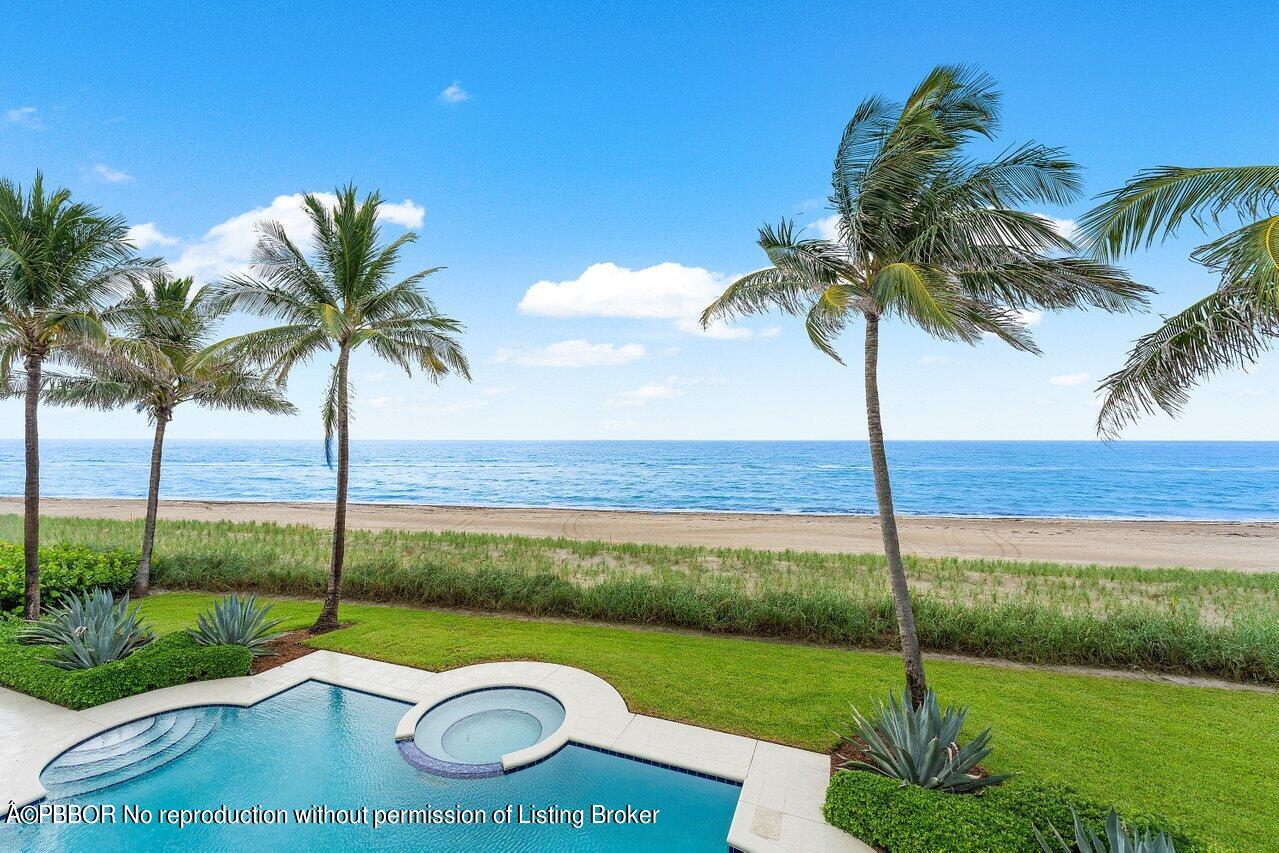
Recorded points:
(1179, 480)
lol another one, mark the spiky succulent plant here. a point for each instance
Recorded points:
(920, 746)
(236, 621)
(90, 630)
(1118, 839)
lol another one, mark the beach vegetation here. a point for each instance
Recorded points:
(1227, 329)
(340, 297)
(155, 362)
(60, 261)
(90, 630)
(237, 621)
(66, 569)
(1185, 621)
(928, 234)
(919, 745)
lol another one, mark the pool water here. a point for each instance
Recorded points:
(317, 744)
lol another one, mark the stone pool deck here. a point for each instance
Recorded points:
(782, 787)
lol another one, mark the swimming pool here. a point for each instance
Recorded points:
(321, 745)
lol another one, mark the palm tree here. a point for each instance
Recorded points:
(342, 296)
(930, 237)
(155, 365)
(59, 262)
(1229, 327)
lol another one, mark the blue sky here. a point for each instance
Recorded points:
(623, 156)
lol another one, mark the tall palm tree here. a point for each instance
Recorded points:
(935, 239)
(339, 297)
(60, 261)
(155, 365)
(1227, 328)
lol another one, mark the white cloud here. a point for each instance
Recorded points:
(374, 376)
(1070, 379)
(827, 227)
(935, 359)
(662, 389)
(148, 234)
(572, 353)
(498, 392)
(24, 116)
(455, 94)
(379, 402)
(1067, 228)
(110, 175)
(665, 291)
(1029, 316)
(228, 245)
(614, 423)
(1251, 393)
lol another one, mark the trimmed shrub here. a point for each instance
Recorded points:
(911, 819)
(65, 569)
(172, 659)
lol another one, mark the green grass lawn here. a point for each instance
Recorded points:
(1197, 755)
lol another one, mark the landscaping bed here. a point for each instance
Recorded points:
(1001, 819)
(171, 659)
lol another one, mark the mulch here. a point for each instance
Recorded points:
(284, 649)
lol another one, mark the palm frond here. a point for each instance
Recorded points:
(1157, 202)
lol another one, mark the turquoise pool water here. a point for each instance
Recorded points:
(317, 744)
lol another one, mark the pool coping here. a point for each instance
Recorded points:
(782, 788)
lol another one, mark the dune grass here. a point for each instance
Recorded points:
(1195, 755)
(1215, 623)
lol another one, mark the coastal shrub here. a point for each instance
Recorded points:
(1119, 838)
(65, 569)
(1198, 622)
(89, 630)
(1002, 819)
(172, 659)
(236, 621)
(921, 745)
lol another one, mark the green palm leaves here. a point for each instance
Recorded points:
(1227, 328)
(157, 359)
(342, 296)
(930, 236)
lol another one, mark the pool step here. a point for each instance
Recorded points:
(105, 761)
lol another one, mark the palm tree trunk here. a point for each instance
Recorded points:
(915, 683)
(142, 580)
(31, 494)
(329, 614)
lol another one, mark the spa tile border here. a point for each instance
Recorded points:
(782, 788)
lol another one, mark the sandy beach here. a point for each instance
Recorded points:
(1252, 547)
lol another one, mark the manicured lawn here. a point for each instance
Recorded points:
(1202, 757)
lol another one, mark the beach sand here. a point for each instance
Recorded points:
(1252, 547)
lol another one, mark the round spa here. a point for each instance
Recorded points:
(467, 735)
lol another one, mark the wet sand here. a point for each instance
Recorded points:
(1247, 546)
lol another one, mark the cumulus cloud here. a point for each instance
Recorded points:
(454, 93)
(571, 353)
(110, 175)
(24, 116)
(1069, 379)
(228, 245)
(827, 227)
(661, 389)
(148, 234)
(666, 291)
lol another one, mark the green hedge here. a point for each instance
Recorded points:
(172, 659)
(64, 569)
(878, 811)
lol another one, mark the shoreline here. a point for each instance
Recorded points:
(1234, 545)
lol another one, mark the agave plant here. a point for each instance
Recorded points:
(920, 746)
(235, 621)
(90, 630)
(1118, 839)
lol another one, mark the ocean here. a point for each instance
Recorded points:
(1235, 481)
